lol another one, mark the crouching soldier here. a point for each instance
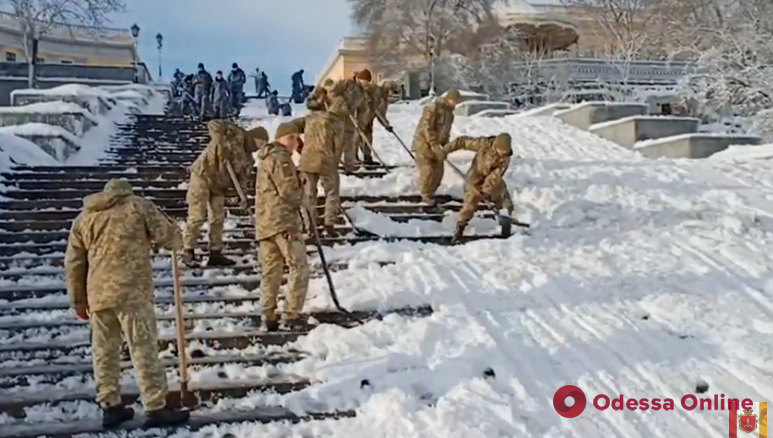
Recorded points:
(278, 203)
(110, 283)
(210, 181)
(432, 133)
(485, 178)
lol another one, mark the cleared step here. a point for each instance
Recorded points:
(14, 403)
(238, 339)
(247, 244)
(197, 422)
(323, 317)
(60, 371)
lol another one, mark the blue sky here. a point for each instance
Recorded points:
(279, 36)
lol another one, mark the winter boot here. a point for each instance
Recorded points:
(189, 258)
(331, 231)
(294, 325)
(459, 232)
(114, 416)
(216, 258)
(270, 326)
(166, 417)
(368, 161)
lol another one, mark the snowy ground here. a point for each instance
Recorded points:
(18, 151)
(641, 277)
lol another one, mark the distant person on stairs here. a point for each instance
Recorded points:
(485, 178)
(110, 283)
(220, 96)
(202, 89)
(432, 133)
(236, 81)
(272, 104)
(210, 182)
(279, 227)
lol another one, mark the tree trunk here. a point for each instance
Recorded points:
(31, 64)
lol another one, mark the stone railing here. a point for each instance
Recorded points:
(72, 32)
(602, 70)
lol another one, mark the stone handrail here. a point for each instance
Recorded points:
(77, 32)
(579, 69)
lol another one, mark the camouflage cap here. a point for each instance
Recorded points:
(502, 145)
(118, 185)
(287, 128)
(364, 75)
(258, 133)
(453, 96)
(217, 126)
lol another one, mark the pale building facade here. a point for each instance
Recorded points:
(69, 45)
(556, 30)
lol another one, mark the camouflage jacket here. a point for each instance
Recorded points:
(486, 174)
(433, 130)
(345, 98)
(278, 193)
(210, 167)
(108, 255)
(319, 154)
(374, 103)
(317, 100)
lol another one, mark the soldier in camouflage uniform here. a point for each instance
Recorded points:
(318, 100)
(431, 135)
(374, 105)
(344, 97)
(279, 199)
(110, 282)
(318, 165)
(210, 182)
(485, 178)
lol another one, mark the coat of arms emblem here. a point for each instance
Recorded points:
(747, 422)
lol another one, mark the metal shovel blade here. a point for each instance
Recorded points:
(505, 225)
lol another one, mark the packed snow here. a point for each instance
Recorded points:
(639, 277)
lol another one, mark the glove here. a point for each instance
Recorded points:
(82, 311)
(389, 128)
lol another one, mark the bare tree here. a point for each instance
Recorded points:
(38, 17)
(401, 30)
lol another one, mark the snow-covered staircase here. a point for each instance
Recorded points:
(46, 349)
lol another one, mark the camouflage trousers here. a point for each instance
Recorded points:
(202, 205)
(472, 199)
(349, 146)
(430, 176)
(365, 147)
(138, 325)
(274, 253)
(203, 101)
(331, 184)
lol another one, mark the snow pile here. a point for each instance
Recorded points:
(54, 107)
(743, 153)
(147, 99)
(381, 224)
(59, 142)
(18, 151)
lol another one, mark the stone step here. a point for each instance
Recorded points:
(249, 244)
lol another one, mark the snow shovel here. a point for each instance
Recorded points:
(235, 181)
(187, 398)
(326, 269)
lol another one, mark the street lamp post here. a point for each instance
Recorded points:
(431, 45)
(135, 29)
(160, 41)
